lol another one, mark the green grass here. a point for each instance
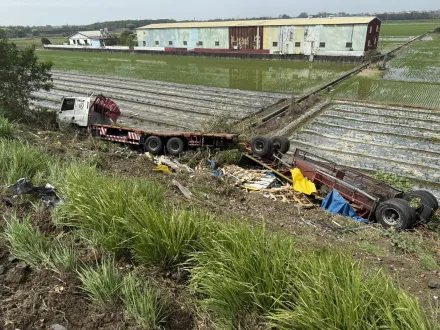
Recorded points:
(36, 249)
(256, 75)
(407, 28)
(333, 292)
(243, 271)
(165, 238)
(428, 262)
(29, 42)
(99, 203)
(21, 160)
(143, 302)
(103, 283)
(387, 91)
(6, 128)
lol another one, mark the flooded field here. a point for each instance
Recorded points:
(377, 138)
(254, 75)
(407, 28)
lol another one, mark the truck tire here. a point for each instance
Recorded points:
(154, 145)
(175, 146)
(396, 213)
(261, 146)
(281, 144)
(428, 205)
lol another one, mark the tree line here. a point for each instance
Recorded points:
(66, 30)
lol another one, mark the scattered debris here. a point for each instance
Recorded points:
(163, 168)
(173, 164)
(47, 194)
(336, 204)
(57, 327)
(255, 180)
(185, 191)
(434, 285)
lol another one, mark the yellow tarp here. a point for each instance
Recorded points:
(301, 184)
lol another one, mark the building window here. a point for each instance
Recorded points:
(200, 43)
(157, 43)
(217, 43)
(275, 44)
(170, 43)
(185, 43)
(371, 29)
(369, 43)
(349, 45)
(144, 43)
(375, 41)
(322, 45)
(297, 44)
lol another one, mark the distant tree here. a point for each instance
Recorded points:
(131, 26)
(35, 32)
(45, 41)
(21, 74)
(303, 15)
(127, 38)
(284, 16)
(20, 33)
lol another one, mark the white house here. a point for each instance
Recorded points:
(89, 38)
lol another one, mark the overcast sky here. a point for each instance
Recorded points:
(76, 12)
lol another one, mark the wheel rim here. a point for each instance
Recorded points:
(153, 144)
(391, 217)
(175, 145)
(259, 146)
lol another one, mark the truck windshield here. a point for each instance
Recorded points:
(68, 104)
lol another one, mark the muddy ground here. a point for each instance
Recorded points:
(32, 299)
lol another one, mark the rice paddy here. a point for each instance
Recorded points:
(407, 28)
(412, 78)
(255, 75)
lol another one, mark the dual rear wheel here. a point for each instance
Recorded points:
(174, 146)
(265, 147)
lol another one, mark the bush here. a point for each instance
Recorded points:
(143, 302)
(103, 284)
(100, 203)
(243, 271)
(6, 128)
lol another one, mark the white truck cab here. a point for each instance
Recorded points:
(75, 110)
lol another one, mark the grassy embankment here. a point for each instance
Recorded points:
(238, 274)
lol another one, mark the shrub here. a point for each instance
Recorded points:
(100, 203)
(143, 302)
(395, 181)
(242, 271)
(102, 284)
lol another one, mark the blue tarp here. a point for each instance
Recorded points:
(336, 204)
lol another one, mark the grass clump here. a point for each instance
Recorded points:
(143, 303)
(243, 271)
(21, 160)
(166, 237)
(6, 128)
(428, 262)
(100, 203)
(36, 249)
(102, 283)
(333, 292)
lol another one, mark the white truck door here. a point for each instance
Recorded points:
(67, 111)
(81, 111)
